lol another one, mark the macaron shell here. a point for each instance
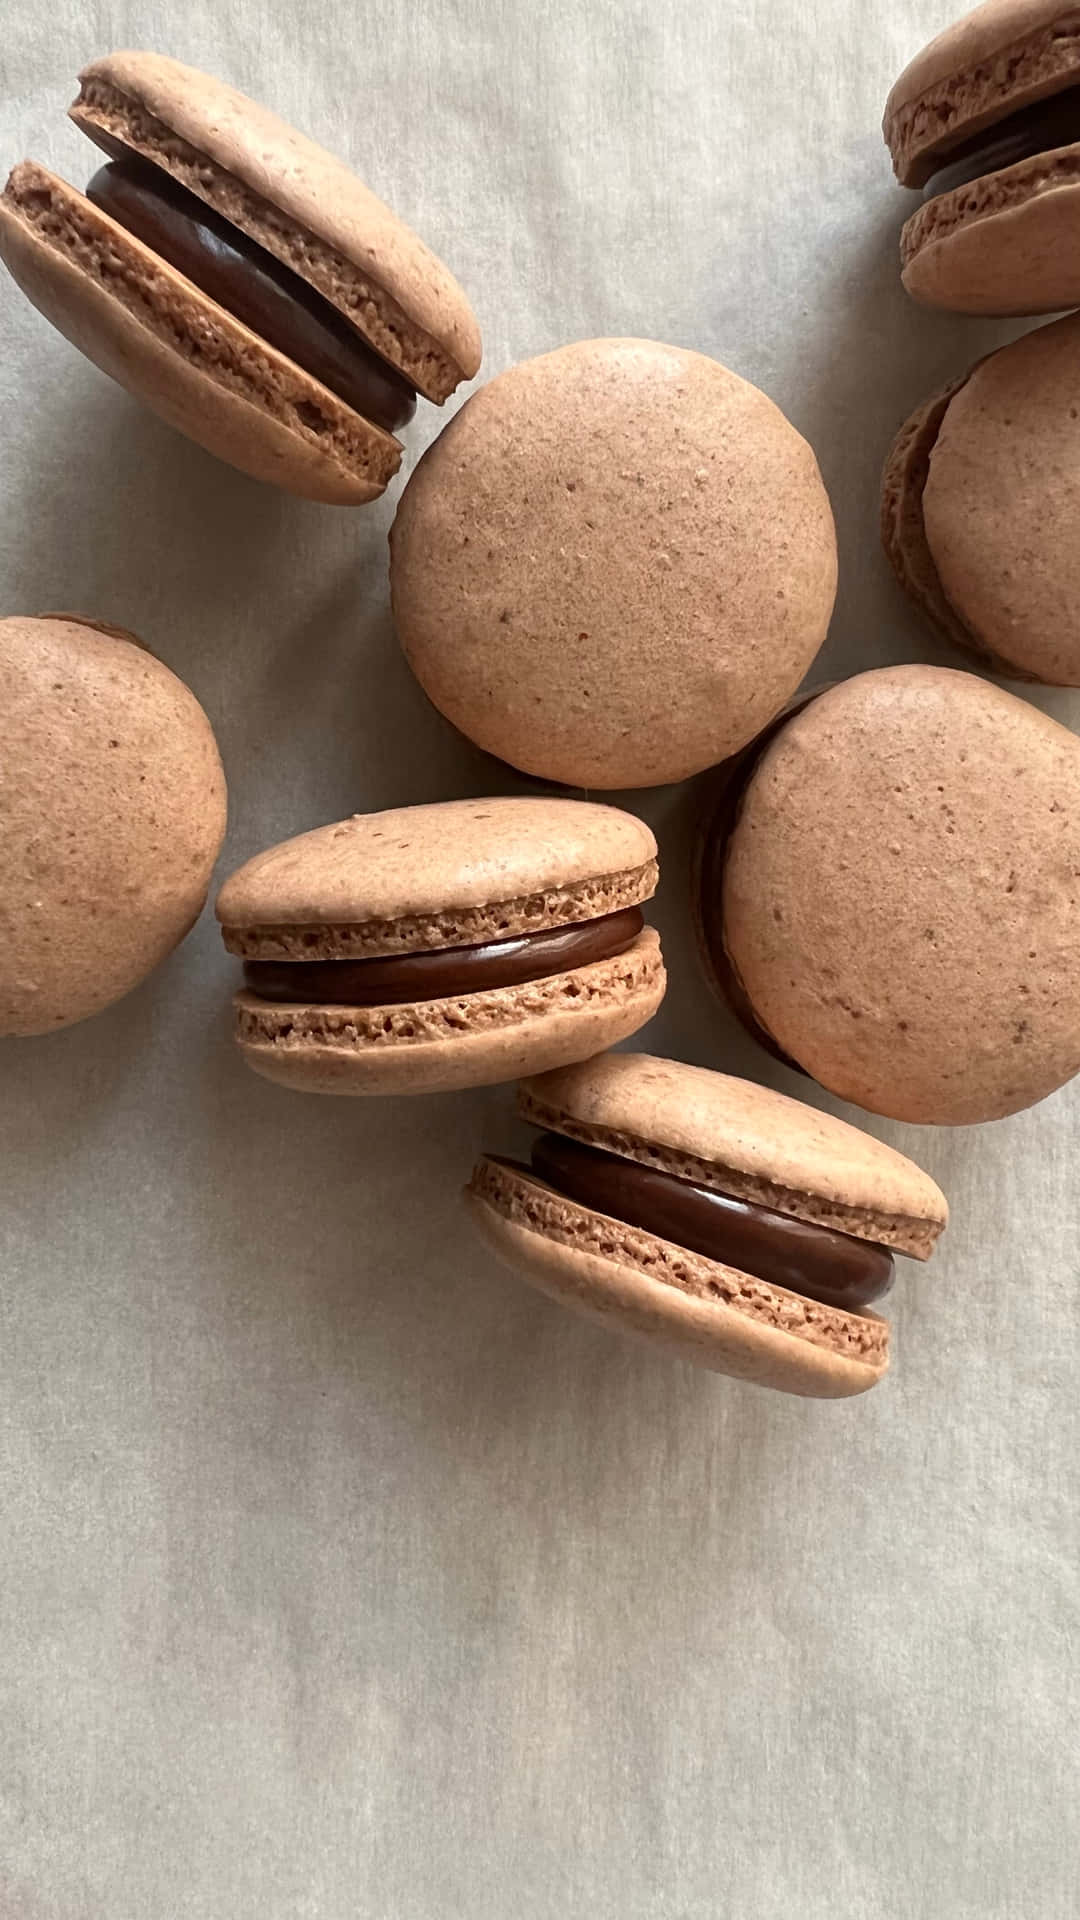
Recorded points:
(997, 59)
(745, 1139)
(614, 565)
(614, 1286)
(255, 168)
(1001, 504)
(253, 410)
(475, 1040)
(900, 896)
(1008, 244)
(112, 813)
(452, 873)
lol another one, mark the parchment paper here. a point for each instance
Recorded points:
(340, 1575)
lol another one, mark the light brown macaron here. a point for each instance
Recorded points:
(981, 506)
(444, 946)
(614, 565)
(717, 1216)
(987, 120)
(899, 899)
(239, 280)
(112, 814)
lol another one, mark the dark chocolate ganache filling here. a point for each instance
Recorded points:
(255, 287)
(794, 1254)
(1040, 128)
(400, 979)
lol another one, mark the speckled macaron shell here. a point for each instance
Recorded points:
(184, 356)
(901, 901)
(416, 879)
(1007, 243)
(614, 565)
(112, 813)
(980, 504)
(300, 202)
(741, 1139)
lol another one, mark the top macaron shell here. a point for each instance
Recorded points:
(900, 896)
(112, 813)
(614, 565)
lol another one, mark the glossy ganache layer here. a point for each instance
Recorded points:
(401, 979)
(798, 1255)
(1041, 128)
(254, 287)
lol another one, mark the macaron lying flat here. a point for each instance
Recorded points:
(981, 504)
(614, 565)
(898, 902)
(112, 813)
(987, 120)
(717, 1216)
(444, 946)
(239, 280)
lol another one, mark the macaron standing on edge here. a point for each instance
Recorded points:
(987, 120)
(239, 280)
(720, 1217)
(112, 814)
(981, 507)
(898, 901)
(614, 565)
(450, 945)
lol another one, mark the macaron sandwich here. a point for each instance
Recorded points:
(112, 813)
(986, 120)
(724, 1219)
(890, 899)
(239, 280)
(981, 504)
(443, 946)
(615, 564)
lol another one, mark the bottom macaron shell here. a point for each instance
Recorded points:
(473, 1040)
(634, 1283)
(1008, 244)
(132, 315)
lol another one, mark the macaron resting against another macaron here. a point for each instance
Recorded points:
(987, 120)
(891, 901)
(239, 280)
(112, 813)
(614, 565)
(444, 946)
(980, 512)
(720, 1217)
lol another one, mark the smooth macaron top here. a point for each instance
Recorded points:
(999, 58)
(1001, 504)
(442, 875)
(112, 812)
(745, 1140)
(900, 895)
(614, 565)
(294, 198)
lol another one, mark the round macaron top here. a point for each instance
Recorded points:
(293, 197)
(901, 897)
(614, 565)
(742, 1139)
(997, 59)
(1001, 503)
(448, 874)
(112, 813)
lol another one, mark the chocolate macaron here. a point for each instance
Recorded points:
(615, 564)
(444, 946)
(891, 900)
(987, 121)
(112, 813)
(981, 505)
(720, 1217)
(239, 280)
